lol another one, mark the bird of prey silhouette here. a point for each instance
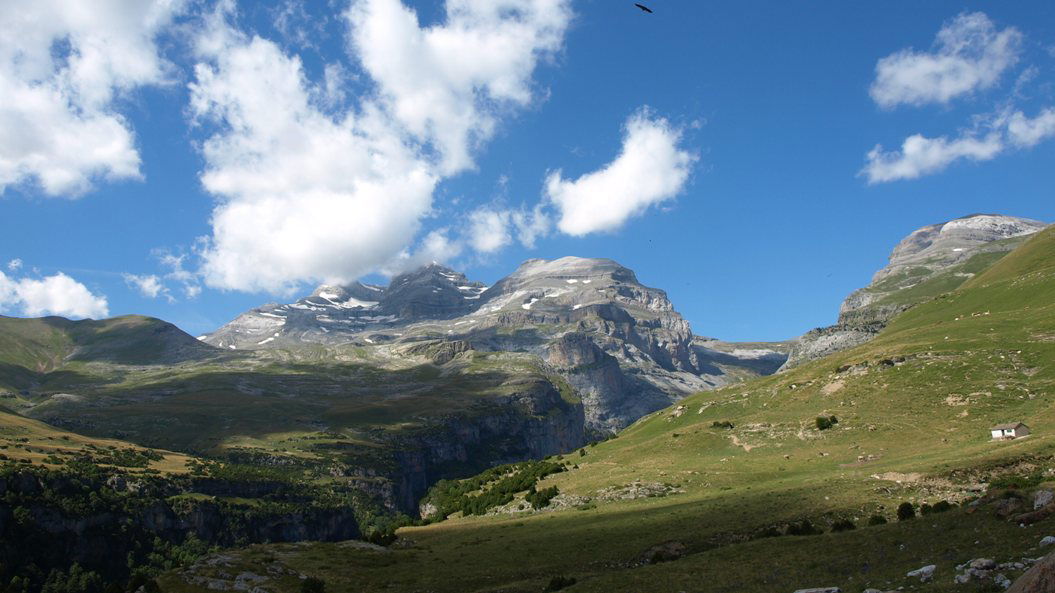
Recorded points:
(643, 7)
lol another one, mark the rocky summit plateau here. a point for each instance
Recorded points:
(620, 344)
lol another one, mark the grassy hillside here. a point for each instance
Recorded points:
(23, 440)
(920, 284)
(913, 407)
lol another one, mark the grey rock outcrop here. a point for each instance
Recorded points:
(1039, 579)
(934, 259)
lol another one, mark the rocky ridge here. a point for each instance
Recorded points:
(934, 259)
(620, 344)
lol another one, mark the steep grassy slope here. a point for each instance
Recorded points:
(913, 406)
(28, 441)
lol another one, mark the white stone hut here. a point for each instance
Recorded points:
(1009, 431)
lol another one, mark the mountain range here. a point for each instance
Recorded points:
(358, 409)
(621, 345)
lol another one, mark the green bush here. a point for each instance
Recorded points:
(905, 511)
(723, 424)
(541, 498)
(804, 527)
(877, 520)
(497, 486)
(938, 507)
(843, 525)
(1016, 482)
(825, 422)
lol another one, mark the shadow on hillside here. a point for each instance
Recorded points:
(201, 411)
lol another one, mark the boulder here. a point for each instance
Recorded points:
(1039, 579)
(983, 564)
(1047, 541)
(1034, 516)
(1043, 498)
(925, 573)
(1006, 507)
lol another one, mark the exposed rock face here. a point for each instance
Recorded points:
(534, 422)
(598, 379)
(620, 344)
(1039, 579)
(432, 292)
(84, 524)
(933, 259)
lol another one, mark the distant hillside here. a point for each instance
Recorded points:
(930, 261)
(387, 424)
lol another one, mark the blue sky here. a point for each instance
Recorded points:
(744, 128)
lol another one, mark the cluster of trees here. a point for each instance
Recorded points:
(116, 546)
(540, 498)
(494, 487)
(905, 512)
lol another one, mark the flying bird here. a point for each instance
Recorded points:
(643, 7)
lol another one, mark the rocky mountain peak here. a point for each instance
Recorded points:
(620, 344)
(570, 282)
(574, 267)
(351, 295)
(930, 260)
(432, 291)
(955, 240)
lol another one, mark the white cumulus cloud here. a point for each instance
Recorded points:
(62, 67)
(14, 265)
(309, 193)
(491, 228)
(998, 134)
(920, 156)
(969, 54)
(650, 169)
(1026, 132)
(148, 285)
(447, 84)
(52, 295)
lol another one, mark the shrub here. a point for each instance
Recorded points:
(559, 582)
(939, 507)
(582, 452)
(905, 511)
(804, 527)
(541, 498)
(843, 525)
(825, 422)
(877, 520)
(313, 585)
(1016, 482)
(723, 424)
